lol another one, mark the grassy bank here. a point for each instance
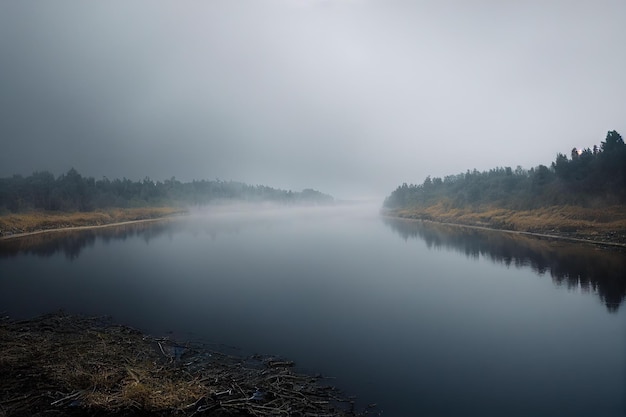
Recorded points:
(606, 225)
(20, 223)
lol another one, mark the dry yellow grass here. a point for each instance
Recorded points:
(72, 359)
(65, 365)
(19, 223)
(606, 224)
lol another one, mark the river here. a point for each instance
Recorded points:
(421, 319)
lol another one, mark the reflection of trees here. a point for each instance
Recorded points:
(569, 264)
(71, 243)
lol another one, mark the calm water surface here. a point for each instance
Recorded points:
(423, 320)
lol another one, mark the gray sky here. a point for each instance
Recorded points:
(351, 97)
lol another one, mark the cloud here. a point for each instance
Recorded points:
(350, 97)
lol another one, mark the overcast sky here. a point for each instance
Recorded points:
(351, 97)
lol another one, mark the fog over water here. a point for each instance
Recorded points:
(420, 318)
(351, 97)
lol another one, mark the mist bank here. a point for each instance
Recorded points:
(581, 196)
(71, 192)
(47, 224)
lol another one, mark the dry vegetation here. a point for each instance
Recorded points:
(20, 223)
(606, 225)
(65, 365)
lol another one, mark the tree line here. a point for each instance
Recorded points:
(587, 177)
(73, 192)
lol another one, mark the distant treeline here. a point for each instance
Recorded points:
(73, 192)
(589, 177)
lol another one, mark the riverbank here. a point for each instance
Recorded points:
(66, 365)
(606, 226)
(23, 224)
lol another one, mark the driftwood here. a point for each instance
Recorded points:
(66, 365)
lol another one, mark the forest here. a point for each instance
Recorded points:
(591, 178)
(71, 192)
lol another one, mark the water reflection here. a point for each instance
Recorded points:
(72, 243)
(575, 266)
(398, 324)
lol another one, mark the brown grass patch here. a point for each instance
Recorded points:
(607, 224)
(19, 223)
(66, 365)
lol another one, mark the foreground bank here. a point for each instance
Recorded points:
(67, 365)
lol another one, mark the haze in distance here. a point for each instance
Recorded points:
(349, 97)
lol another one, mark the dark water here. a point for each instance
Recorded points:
(424, 320)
